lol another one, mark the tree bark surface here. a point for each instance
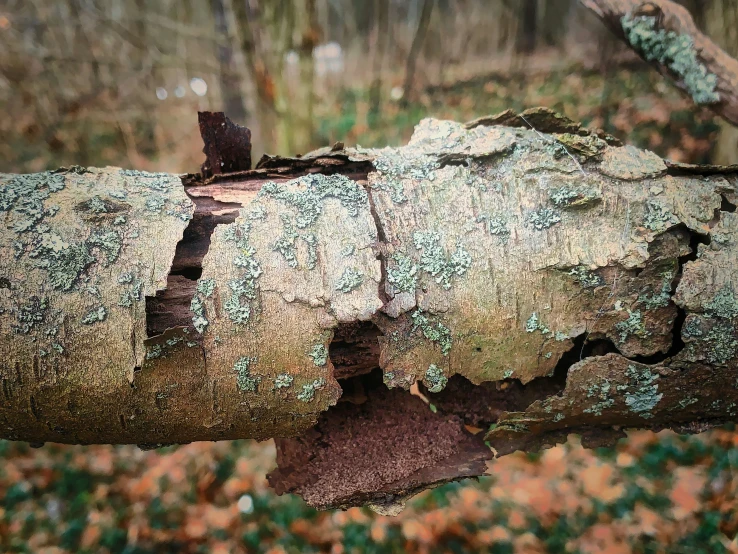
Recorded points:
(533, 277)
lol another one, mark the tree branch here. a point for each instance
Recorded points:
(519, 294)
(663, 33)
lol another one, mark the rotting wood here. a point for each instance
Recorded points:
(531, 295)
(227, 145)
(664, 34)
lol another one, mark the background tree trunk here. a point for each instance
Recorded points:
(417, 44)
(527, 26)
(525, 278)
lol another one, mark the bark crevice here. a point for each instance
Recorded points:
(171, 306)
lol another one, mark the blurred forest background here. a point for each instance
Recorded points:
(94, 83)
(119, 83)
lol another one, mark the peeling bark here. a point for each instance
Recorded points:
(533, 282)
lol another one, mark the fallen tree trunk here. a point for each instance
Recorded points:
(535, 282)
(664, 34)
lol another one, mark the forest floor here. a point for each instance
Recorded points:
(652, 493)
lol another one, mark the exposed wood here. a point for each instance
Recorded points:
(664, 34)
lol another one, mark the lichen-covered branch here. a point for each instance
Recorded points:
(532, 282)
(663, 33)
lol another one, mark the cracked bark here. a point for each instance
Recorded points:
(528, 294)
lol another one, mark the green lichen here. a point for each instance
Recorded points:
(286, 244)
(496, 225)
(96, 205)
(395, 188)
(534, 324)
(244, 380)
(109, 242)
(723, 304)
(312, 250)
(600, 391)
(657, 217)
(238, 233)
(239, 306)
(433, 259)
(308, 390)
(721, 238)
(632, 326)
(543, 218)
(586, 278)
(476, 175)
(181, 210)
(434, 331)
(692, 327)
(24, 197)
(512, 427)
(721, 342)
(394, 166)
(65, 266)
(561, 196)
(573, 197)
(554, 149)
(319, 354)
(206, 287)
(403, 275)
(64, 262)
(675, 51)
(155, 204)
(257, 212)
(199, 320)
(283, 381)
(173, 341)
(308, 199)
(95, 315)
(685, 402)
(642, 394)
(435, 380)
(350, 280)
(659, 299)
(132, 290)
(30, 315)
(154, 351)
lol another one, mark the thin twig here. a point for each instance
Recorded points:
(554, 141)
